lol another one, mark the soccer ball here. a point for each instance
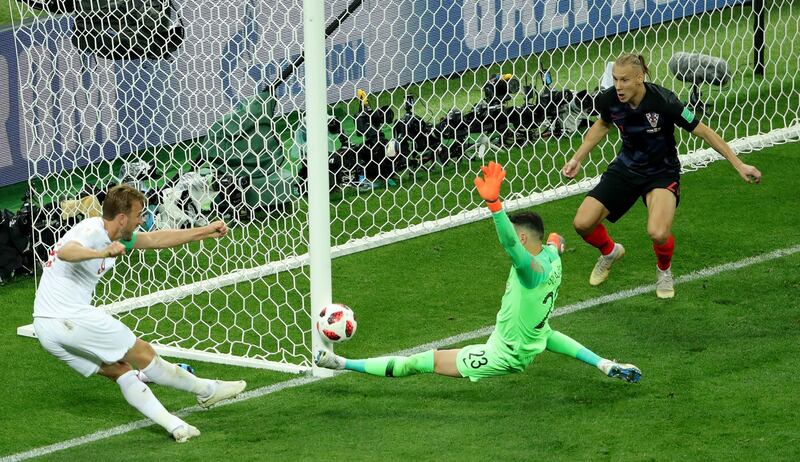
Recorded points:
(186, 367)
(336, 323)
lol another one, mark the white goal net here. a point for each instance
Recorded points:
(196, 102)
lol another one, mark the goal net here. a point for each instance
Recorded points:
(198, 104)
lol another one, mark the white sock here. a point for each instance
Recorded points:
(138, 395)
(605, 365)
(165, 373)
(613, 252)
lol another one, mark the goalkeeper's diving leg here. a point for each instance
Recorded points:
(386, 366)
(565, 345)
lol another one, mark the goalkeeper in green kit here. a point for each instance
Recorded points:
(522, 330)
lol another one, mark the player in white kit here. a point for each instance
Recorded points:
(91, 341)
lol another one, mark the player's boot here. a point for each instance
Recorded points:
(665, 285)
(329, 360)
(183, 433)
(603, 265)
(626, 372)
(223, 390)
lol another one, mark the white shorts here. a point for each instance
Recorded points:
(86, 342)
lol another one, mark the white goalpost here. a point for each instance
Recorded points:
(319, 216)
(321, 129)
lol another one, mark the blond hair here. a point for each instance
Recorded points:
(120, 199)
(633, 59)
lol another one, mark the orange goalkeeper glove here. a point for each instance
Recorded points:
(556, 240)
(489, 186)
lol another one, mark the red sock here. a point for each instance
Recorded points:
(664, 253)
(599, 238)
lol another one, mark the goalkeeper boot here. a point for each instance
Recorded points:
(222, 390)
(603, 265)
(665, 285)
(626, 372)
(329, 360)
(183, 433)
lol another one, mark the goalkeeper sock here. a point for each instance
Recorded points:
(600, 239)
(139, 395)
(165, 373)
(565, 345)
(393, 366)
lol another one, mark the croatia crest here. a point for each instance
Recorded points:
(652, 117)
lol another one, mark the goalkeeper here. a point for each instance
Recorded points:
(522, 330)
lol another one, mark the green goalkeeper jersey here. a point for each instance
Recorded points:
(531, 292)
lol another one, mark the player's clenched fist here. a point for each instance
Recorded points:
(217, 229)
(115, 249)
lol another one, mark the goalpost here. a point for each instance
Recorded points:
(208, 107)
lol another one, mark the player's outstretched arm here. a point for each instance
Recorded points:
(748, 173)
(166, 238)
(488, 187)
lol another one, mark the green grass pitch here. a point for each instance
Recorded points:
(718, 361)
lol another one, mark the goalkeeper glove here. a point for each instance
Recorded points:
(556, 240)
(489, 186)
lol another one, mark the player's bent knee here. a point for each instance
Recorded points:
(141, 354)
(658, 235)
(583, 226)
(114, 371)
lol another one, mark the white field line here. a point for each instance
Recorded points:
(483, 332)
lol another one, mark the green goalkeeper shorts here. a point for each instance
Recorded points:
(487, 360)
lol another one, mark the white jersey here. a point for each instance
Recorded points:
(66, 289)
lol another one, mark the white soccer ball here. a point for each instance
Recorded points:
(336, 323)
